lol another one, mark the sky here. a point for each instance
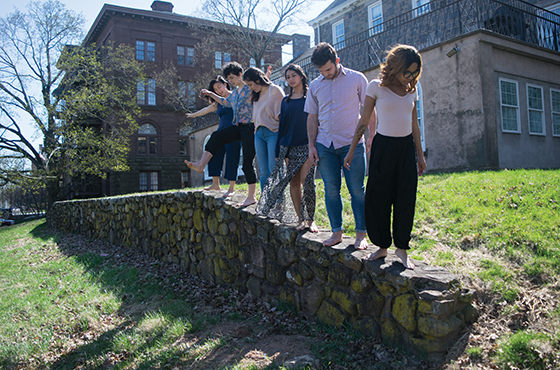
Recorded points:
(91, 8)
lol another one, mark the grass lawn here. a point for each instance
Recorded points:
(67, 304)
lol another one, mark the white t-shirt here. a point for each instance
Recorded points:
(394, 112)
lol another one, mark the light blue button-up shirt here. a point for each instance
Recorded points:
(240, 101)
(337, 104)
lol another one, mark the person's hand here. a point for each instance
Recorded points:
(421, 165)
(313, 155)
(268, 71)
(348, 159)
(189, 115)
(205, 92)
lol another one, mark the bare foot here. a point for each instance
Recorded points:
(312, 227)
(212, 187)
(194, 166)
(228, 194)
(361, 241)
(247, 202)
(380, 253)
(335, 238)
(401, 253)
(301, 226)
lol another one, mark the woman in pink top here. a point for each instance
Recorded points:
(267, 99)
(396, 157)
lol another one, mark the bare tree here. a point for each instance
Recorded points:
(253, 26)
(80, 100)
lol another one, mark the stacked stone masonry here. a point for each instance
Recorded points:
(421, 310)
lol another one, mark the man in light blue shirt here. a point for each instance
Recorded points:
(333, 105)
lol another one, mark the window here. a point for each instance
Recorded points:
(147, 139)
(188, 90)
(509, 105)
(420, 110)
(140, 50)
(555, 101)
(184, 140)
(191, 94)
(338, 34)
(218, 60)
(185, 179)
(375, 12)
(146, 92)
(253, 63)
(185, 56)
(146, 50)
(149, 181)
(535, 108)
(221, 59)
(421, 7)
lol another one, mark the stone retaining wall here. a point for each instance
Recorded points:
(421, 310)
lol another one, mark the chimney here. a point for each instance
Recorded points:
(162, 6)
(300, 43)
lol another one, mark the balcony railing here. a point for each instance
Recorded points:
(445, 20)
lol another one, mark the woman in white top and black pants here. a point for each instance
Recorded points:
(396, 157)
(267, 100)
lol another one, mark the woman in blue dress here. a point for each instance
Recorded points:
(293, 165)
(231, 151)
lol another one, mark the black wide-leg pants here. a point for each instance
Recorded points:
(244, 132)
(392, 183)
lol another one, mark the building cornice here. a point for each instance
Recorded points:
(108, 11)
(324, 17)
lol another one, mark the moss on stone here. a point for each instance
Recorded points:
(294, 276)
(370, 304)
(223, 229)
(275, 273)
(344, 300)
(438, 327)
(404, 311)
(212, 223)
(330, 314)
(198, 220)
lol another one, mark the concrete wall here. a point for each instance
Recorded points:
(422, 310)
(461, 103)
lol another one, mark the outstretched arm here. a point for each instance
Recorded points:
(209, 109)
(360, 129)
(217, 98)
(418, 142)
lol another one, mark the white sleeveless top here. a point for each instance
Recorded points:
(394, 112)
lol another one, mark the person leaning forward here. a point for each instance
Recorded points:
(333, 106)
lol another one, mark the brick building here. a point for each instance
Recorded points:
(490, 87)
(165, 138)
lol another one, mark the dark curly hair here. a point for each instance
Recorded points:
(232, 68)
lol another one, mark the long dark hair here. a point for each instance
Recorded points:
(297, 69)
(257, 76)
(217, 80)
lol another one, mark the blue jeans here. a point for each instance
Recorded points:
(330, 166)
(265, 146)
